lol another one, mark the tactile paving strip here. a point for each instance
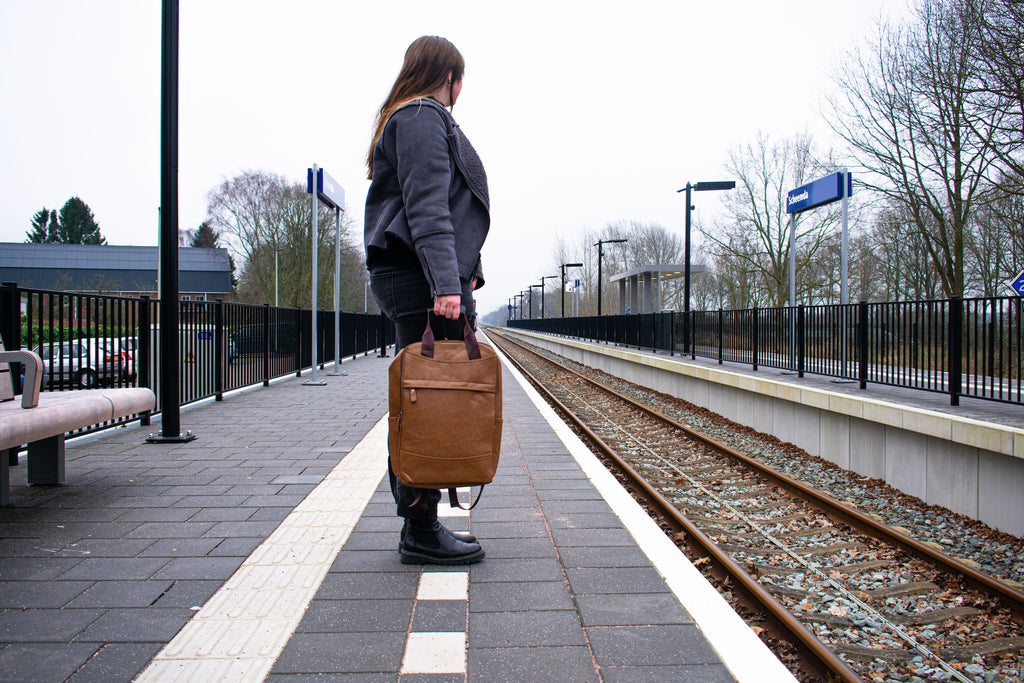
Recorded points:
(243, 628)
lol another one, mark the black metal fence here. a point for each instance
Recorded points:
(91, 340)
(960, 347)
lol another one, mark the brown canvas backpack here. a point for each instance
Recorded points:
(445, 412)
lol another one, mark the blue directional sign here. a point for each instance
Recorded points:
(1018, 283)
(822, 191)
(327, 189)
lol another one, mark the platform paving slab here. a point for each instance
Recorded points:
(565, 592)
(97, 575)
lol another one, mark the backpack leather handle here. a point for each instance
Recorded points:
(468, 335)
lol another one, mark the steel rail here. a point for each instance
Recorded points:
(826, 503)
(819, 655)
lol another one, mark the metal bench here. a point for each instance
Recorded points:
(41, 420)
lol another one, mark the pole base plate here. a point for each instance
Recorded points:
(179, 438)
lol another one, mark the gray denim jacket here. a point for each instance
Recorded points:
(429, 192)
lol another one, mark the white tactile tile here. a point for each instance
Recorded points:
(240, 632)
(445, 509)
(443, 586)
(435, 653)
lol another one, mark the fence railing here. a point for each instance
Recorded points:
(959, 347)
(93, 340)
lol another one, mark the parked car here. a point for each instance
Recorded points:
(124, 349)
(80, 363)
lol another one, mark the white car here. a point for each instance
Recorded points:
(80, 363)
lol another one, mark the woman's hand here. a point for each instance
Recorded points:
(447, 306)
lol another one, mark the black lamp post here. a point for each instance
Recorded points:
(541, 300)
(600, 253)
(698, 187)
(564, 266)
(526, 300)
(170, 398)
(546, 277)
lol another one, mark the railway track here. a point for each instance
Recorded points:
(858, 600)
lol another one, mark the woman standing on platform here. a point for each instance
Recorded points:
(427, 215)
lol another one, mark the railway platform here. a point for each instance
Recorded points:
(266, 549)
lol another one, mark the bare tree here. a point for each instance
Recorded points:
(996, 242)
(913, 110)
(754, 237)
(1002, 33)
(268, 224)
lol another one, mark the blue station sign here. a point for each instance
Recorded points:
(1017, 283)
(327, 189)
(822, 191)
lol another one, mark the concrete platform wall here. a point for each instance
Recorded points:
(971, 467)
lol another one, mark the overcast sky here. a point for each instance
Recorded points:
(584, 112)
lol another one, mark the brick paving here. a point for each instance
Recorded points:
(99, 575)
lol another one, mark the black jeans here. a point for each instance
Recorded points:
(404, 297)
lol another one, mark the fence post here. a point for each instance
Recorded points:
(219, 350)
(800, 334)
(686, 332)
(145, 351)
(298, 341)
(721, 340)
(955, 359)
(690, 334)
(671, 333)
(862, 344)
(753, 337)
(383, 338)
(266, 345)
(10, 328)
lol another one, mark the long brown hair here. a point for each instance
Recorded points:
(428, 63)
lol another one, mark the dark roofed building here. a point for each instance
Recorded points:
(128, 271)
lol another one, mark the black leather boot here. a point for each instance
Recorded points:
(463, 536)
(427, 542)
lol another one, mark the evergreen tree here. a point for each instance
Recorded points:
(44, 227)
(205, 237)
(77, 225)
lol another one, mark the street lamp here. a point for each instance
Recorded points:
(564, 266)
(704, 186)
(600, 252)
(541, 286)
(546, 277)
(524, 300)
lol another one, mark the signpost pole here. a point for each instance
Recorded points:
(313, 340)
(836, 186)
(844, 265)
(844, 294)
(336, 372)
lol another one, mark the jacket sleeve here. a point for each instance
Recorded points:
(425, 170)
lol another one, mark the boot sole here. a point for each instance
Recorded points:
(464, 540)
(409, 557)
